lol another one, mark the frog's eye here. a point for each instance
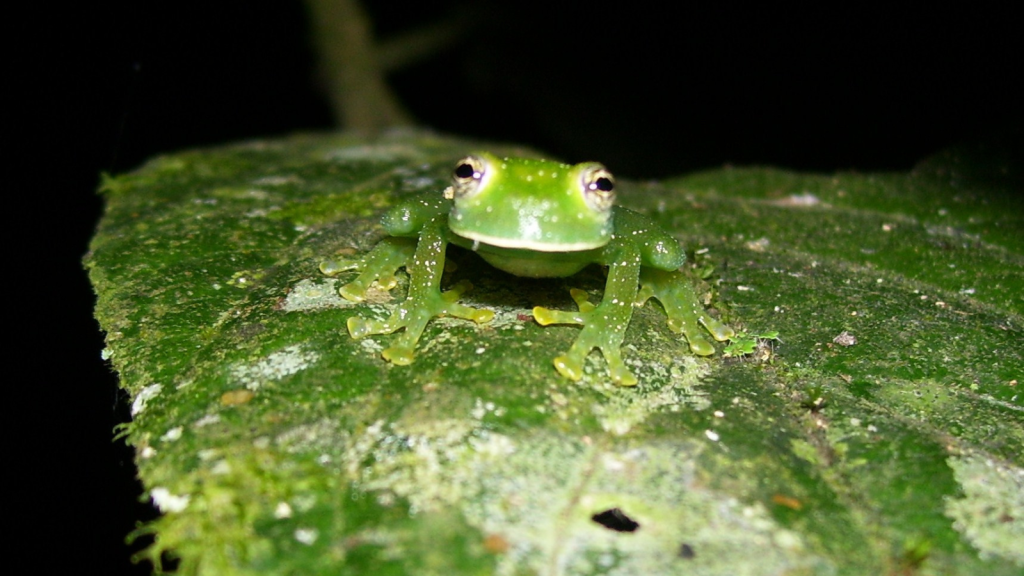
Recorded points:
(468, 175)
(598, 187)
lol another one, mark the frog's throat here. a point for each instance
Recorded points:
(530, 244)
(534, 264)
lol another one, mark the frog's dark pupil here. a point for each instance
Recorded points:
(604, 184)
(464, 171)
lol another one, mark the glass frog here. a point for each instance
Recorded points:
(539, 219)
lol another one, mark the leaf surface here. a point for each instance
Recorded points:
(883, 432)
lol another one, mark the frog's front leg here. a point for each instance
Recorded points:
(684, 311)
(604, 326)
(424, 300)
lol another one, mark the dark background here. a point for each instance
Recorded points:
(648, 91)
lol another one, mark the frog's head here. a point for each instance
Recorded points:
(531, 204)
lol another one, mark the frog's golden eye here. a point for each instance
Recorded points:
(468, 175)
(598, 187)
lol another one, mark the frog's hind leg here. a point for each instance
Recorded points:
(379, 265)
(604, 325)
(423, 302)
(685, 313)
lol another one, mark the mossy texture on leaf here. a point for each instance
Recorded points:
(882, 432)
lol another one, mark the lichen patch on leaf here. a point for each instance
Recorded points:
(310, 295)
(276, 366)
(168, 502)
(144, 396)
(666, 387)
(991, 512)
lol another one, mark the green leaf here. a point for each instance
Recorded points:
(876, 428)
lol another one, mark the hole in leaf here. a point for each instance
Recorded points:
(615, 519)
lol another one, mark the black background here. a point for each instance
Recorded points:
(648, 90)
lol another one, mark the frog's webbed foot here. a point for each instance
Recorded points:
(379, 265)
(413, 315)
(604, 325)
(424, 260)
(685, 313)
(603, 328)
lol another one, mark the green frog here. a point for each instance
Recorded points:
(538, 219)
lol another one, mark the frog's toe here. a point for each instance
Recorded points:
(477, 315)
(619, 373)
(355, 291)
(571, 368)
(622, 376)
(456, 291)
(334, 267)
(359, 327)
(399, 355)
(699, 345)
(451, 307)
(352, 292)
(720, 331)
(545, 316)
